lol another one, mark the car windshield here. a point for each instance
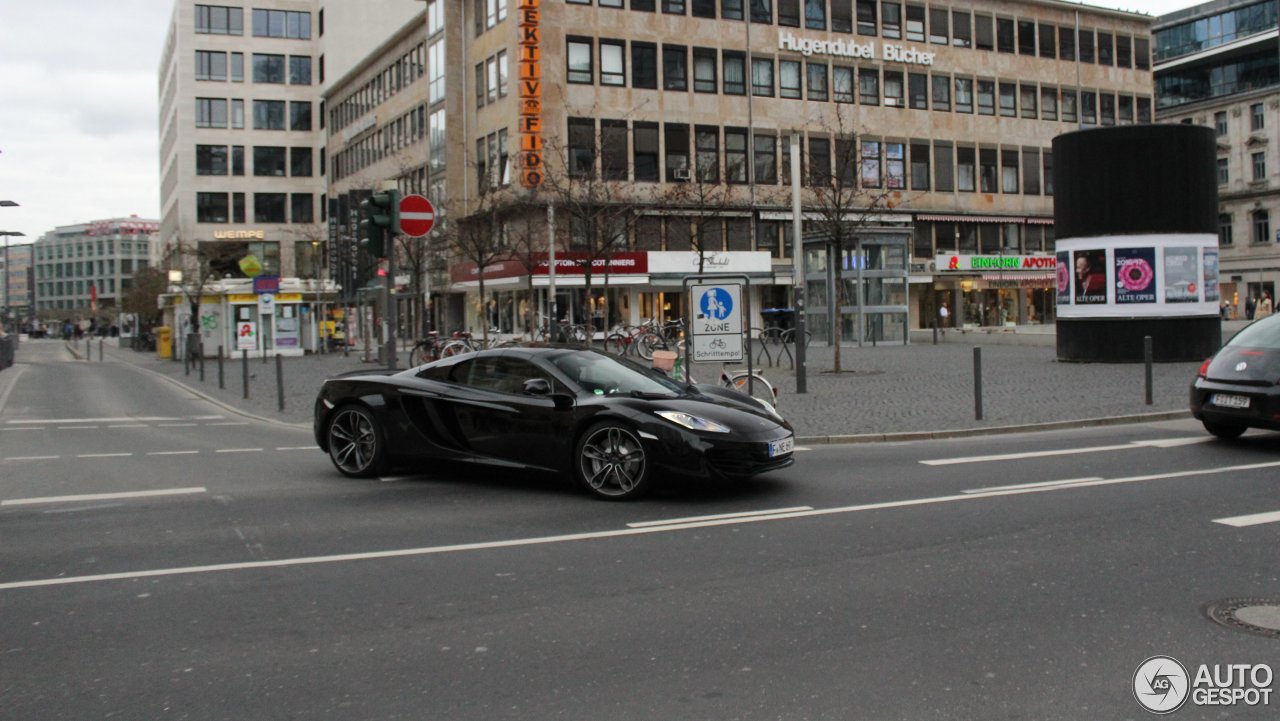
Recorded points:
(605, 374)
(1262, 334)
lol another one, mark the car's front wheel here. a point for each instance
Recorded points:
(610, 462)
(1225, 431)
(355, 442)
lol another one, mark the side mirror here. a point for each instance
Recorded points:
(536, 387)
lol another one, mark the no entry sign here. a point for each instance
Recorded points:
(417, 216)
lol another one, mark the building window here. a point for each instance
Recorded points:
(1031, 171)
(1049, 102)
(918, 91)
(706, 141)
(300, 165)
(1106, 49)
(269, 207)
(987, 170)
(1048, 172)
(676, 143)
(961, 28)
(281, 24)
(762, 77)
(915, 23)
(613, 68)
(580, 62)
(582, 147)
(211, 113)
(1259, 166)
(869, 165)
(1261, 226)
(1220, 123)
(1125, 111)
(841, 16)
(675, 72)
(1048, 41)
(1066, 43)
(299, 70)
(939, 26)
(1257, 119)
(211, 160)
(893, 89)
(869, 86)
(1028, 93)
(966, 169)
(491, 82)
(237, 160)
(867, 18)
(941, 92)
(1008, 100)
(1004, 35)
(211, 207)
(943, 167)
(986, 97)
(645, 148)
(704, 8)
(435, 72)
(211, 65)
(735, 155)
(644, 65)
(766, 147)
(1026, 37)
(1008, 171)
(762, 11)
(895, 168)
(268, 68)
(819, 161)
(613, 149)
(299, 116)
(789, 13)
(268, 114)
(735, 72)
(218, 20)
(1124, 51)
(1224, 230)
(964, 95)
(1088, 107)
(1224, 173)
(1084, 47)
(818, 81)
(704, 71)
(1068, 105)
(268, 161)
(815, 14)
(919, 166)
(789, 79)
(301, 208)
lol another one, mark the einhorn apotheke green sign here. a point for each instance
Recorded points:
(965, 263)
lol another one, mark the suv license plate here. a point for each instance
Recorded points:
(782, 447)
(1227, 400)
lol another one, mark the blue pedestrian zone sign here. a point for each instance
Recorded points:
(717, 322)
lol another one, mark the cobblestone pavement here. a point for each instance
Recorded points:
(920, 388)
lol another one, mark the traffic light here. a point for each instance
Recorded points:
(381, 220)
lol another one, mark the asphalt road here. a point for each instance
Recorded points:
(161, 557)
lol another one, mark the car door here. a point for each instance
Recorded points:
(504, 424)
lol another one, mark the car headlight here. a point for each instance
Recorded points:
(692, 422)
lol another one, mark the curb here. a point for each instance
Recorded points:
(991, 430)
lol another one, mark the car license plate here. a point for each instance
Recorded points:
(782, 447)
(1226, 400)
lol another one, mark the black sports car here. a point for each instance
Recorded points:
(1239, 387)
(612, 423)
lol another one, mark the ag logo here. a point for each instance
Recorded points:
(1161, 684)
(1241, 366)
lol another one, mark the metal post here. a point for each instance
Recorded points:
(244, 371)
(221, 377)
(88, 349)
(186, 360)
(200, 360)
(935, 331)
(977, 382)
(1146, 359)
(551, 268)
(280, 380)
(797, 261)
(99, 349)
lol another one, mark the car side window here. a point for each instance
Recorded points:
(459, 372)
(486, 373)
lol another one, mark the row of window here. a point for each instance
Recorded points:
(106, 286)
(487, 13)
(46, 251)
(225, 20)
(491, 79)
(267, 208)
(389, 138)
(677, 152)
(50, 271)
(1257, 119)
(1259, 227)
(935, 24)
(1257, 164)
(268, 161)
(213, 65)
(267, 114)
(818, 81)
(1215, 30)
(394, 77)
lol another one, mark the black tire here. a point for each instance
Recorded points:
(356, 444)
(616, 344)
(648, 343)
(610, 462)
(1225, 431)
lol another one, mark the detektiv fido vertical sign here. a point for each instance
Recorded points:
(530, 123)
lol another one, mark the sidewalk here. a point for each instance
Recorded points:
(889, 392)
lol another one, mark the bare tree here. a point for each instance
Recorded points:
(478, 236)
(202, 264)
(845, 201)
(141, 298)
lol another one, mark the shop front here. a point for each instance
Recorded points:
(991, 290)
(233, 318)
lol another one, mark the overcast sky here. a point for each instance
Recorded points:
(78, 108)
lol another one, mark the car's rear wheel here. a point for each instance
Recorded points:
(355, 442)
(610, 462)
(1225, 431)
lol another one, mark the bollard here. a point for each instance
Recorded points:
(100, 350)
(935, 332)
(186, 362)
(221, 379)
(200, 360)
(244, 371)
(88, 349)
(977, 382)
(280, 380)
(1146, 359)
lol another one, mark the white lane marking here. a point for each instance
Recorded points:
(298, 448)
(103, 455)
(229, 423)
(32, 428)
(237, 450)
(130, 425)
(76, 428)
(1042, 484)
(1253, 519)
(172, 453)
(803, 448)
(596, 535)
(1158, 443)
(121, 419)
(175, 425)
(31, 458)
(694, 519)
(101, 496)
(394, 479)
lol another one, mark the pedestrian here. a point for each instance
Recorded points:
(944, 314)
(1264, 306)
(1250, 306)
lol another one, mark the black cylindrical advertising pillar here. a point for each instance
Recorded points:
(1136, 216)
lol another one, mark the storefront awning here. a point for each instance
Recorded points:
(1020, 219)
(1021, 275)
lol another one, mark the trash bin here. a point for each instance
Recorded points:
(783, 318)
(164, 342)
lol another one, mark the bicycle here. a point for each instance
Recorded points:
(751, 383)
(428, 349)
(642, 339)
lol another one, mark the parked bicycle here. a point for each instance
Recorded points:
(751, 383)
(640, 339)
(427, 349)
